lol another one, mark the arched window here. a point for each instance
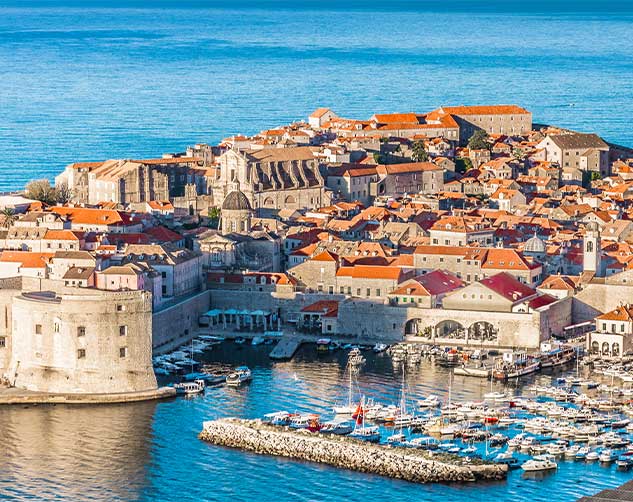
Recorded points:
(290, 200)
(595, 347)
(589, 247)
(269, 202)
(216, 255)
(605, 349)
(615, 349)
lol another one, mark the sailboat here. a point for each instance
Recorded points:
(402, 418)
(349, 407)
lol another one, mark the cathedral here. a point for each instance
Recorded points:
(272, 179)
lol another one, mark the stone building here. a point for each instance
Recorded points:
(613, 336)
(587, 152)
(77, 341)
(273, 179)
(510, 120)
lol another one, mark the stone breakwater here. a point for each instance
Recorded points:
(346, 453)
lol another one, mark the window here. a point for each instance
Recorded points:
(56, 326)
(357, 291)
(120, 308)
(123, 352)
(122, 330)
(38, 329)
(81, 331)
(377, 292)
(368, 292)
(81, 353)
(3, 342)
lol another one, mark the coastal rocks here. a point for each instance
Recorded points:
(400, 463)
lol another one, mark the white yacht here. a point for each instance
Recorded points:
(540, 463)
(241, 375)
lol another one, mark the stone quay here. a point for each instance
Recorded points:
(400, 463)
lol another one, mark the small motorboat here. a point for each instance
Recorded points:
(380, 347)
(397, 439)
(592, 456)
(257, 340)
(278, 418)
(241, 375)
(624, 462)
(540, 463)
(495, 396)
(607, 456)
(189, 388)
(240, 340)
(431, 401)
(323, 344)
(370, 434)
(337, 428)
(507, 458)
(582, 453)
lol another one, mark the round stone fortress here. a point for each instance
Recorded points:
(82, 342)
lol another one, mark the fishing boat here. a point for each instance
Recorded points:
(355, 357)
(323, 344)
(242, 374)
(540, 463)
(552, 357)
(516, 365)
(278, 418)
(189, 388)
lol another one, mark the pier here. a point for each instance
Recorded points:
(287, 346)
(346, 453)
(13, 396)
(621, 493)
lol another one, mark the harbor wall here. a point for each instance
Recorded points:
(178, 323)
(371, 320)
(346, 453)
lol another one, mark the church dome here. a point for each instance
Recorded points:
(236, 200)
(534, 245)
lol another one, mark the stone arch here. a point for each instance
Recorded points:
(483, 331)
(290, 199)
(269, 202)
(450, 329)
(413, 327)
(605, 349)
(615, 349)
(595, 347)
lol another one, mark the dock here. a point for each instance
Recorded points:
(13, 396)
(287, 346)
(408, 464)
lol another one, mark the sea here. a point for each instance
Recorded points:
(150, 451)
(89, 80)
(92, 80)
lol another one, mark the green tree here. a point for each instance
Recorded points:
(378, 159)
(463, 164)
(9, 217)
(517, 153)
(214, 216)
(418, 151)
(479, 140)
(41, 190)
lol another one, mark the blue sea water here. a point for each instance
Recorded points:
(90, 80)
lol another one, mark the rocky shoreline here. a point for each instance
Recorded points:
(400, 463)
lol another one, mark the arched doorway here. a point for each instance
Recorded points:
(605, 349)
(450, 329)
(595, 348)
(413, 327)
(615, 349)
(482, 331)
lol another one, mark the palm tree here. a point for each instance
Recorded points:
(9, 217)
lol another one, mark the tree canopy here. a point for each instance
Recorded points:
(418, 151)
(479, 140)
